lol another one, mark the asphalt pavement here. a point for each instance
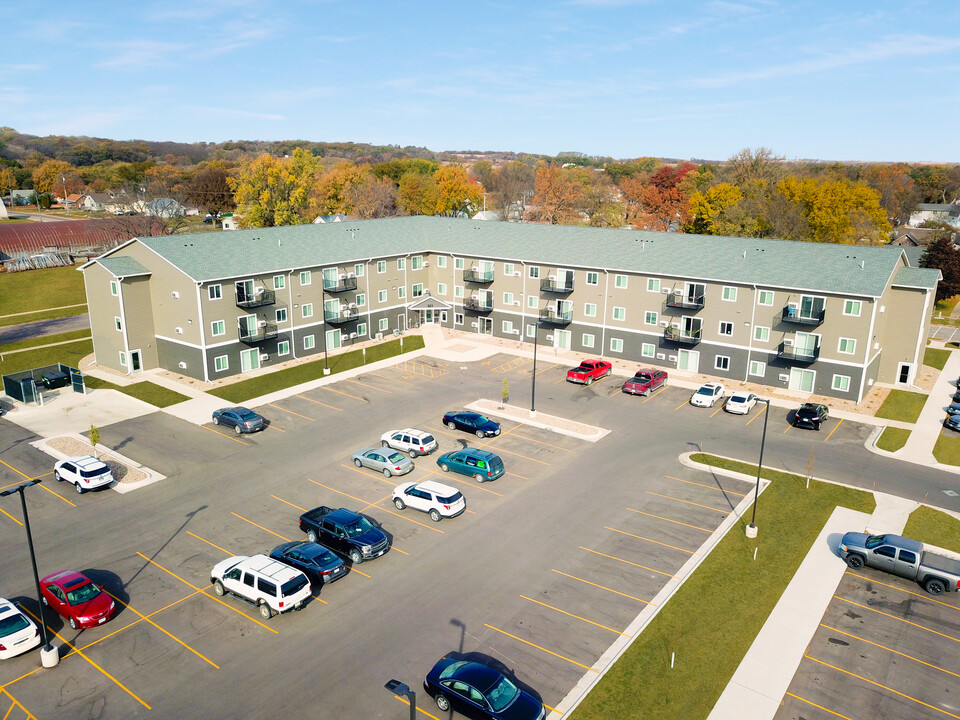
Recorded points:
(39, 328)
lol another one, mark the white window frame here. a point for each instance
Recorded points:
(616, 282)
(587, 340)
(115, 289)
(844, 341)
(648, 350)
(508, 269)
(383, 325)
(729, 290)
(306, 310)
(417, 290)
(361, 300)
(215, 292)
(381, 267)
(759, 330)
(721, 362)
(720, 328)
(306, 277)
(506, 327)
(213, 328)
(761, 294)
(283, 347)
(616, 345)
(441, 261)
(358, 269)
(757, 368)
(221, 363)
(416, 262)
(508, 298)
(123, 359)
(458, 291)
(653, 285)
(593, 278)
(619, 313)
(651, 317)
(589, 309)
(533, 272)
(361, 329)
(401, 263)
(532, 301)
(117, 323)
(458, 318)
(841, 383)
(309, 342)
(458, 263)
(381, 296)
(279, 282)
(847, 304)
(401, 292)
(441, 288)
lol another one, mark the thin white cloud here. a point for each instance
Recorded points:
(137, 55)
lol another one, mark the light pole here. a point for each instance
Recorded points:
(402, 690)
(323, 305)
(752, 527)
(49, 656)
(533, 380)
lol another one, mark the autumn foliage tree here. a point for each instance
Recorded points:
(209, 190)
(417, 193)
(838, 210)
(557, 196)
(456, 192)
(272, 191)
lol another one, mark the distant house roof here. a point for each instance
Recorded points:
(322, 219)
(951, 209)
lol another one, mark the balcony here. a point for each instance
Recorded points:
(256, 299)
(691, 337)
(797, 355)
(556, 286)
(792, 315)
(344, 284)
(685, 302)
(343, 316)
(550, 315)
(481, 305)
(476, 276)
(257, 333)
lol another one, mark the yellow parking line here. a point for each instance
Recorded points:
(11, 517)
(261, 527)
(16, 703)
(834, 430)
(16, 471)
(562, 379)
(510, 452)
(654, 395)
(372, 387)
(548, 369)
(685, 402)
(271, 426)
(925, 596)
(789, 425)
(586, 667)
(55, 494)
(292, 412)
(614, 557)
(404, 552)
(541, 442)
(762, 411)
(895, 652)
(470, 483)
(602, 587)
(616, 390)
(677, 522)
(341, 392)
(340, 492)
(304, 397)
(655, 542)
(390, 379)
(401, 515)
(884, 687)
(359, 572)
(513, 474)
(718, 409)
(210, 543)
(225, 435)
(819, 707)
(572, 615)
(894, 617)
(419, 709)
(687, 502)
(709, 487)
(289, 503)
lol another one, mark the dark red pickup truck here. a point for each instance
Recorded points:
(645, 382)
(588, 371)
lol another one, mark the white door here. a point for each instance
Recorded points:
(802, 380)
(333, 339)
(688, 360)
(249, 360)
(561, 339)
(805, 344)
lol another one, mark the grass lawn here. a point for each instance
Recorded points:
(69, 354)
(934, 527)
(945, 306)
(902, 405)
(892, 439)
(714, 617)
(271, 382)
(935, 357)
(146, 391)
(36, 290)
(947, 449)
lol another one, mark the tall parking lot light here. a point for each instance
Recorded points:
(49, 655)
(402, 690)
(533, 381)
(752, 527)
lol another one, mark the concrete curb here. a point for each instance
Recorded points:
(590, 433)
(121, 487)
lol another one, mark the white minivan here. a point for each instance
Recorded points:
(410, 440)
(270, 585)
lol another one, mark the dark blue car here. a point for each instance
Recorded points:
(319, 563)
(472, 422)
(952, 422)
(240, 419)
(479, 691)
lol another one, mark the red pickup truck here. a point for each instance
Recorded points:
(588, 371)
(645, 382)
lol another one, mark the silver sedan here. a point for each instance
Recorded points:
(385, 460)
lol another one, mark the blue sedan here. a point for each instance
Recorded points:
(472, 422)
(319, 563)
(480, 692)
(240, 419)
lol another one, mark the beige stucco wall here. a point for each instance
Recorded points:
(103, 307)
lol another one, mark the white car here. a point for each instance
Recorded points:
(410, 440)
(270, 585)
(18, 633)
(438, 500)
(741, 403)
(85, 472)
(707, 394)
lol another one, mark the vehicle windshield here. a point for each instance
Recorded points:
(358, 528)
(502, 694)
(395, 457)
(738, 399)
(292, 586)
(82, 594)
(705, 391)
(12, 624)
(426, 439)
(450, 500)
(874, 540)
(247, 415)
(451, 669)
(480, 420)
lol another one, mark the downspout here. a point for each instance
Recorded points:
(203, 333)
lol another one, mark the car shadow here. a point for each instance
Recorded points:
(111, 584)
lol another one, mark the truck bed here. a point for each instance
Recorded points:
(941, 563)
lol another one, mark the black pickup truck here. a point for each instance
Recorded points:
(346, 532)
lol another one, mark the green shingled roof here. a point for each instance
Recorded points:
(123, 266)
(858, 270)
(926, 278)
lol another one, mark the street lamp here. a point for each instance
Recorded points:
(533, 380)
(49, 656)
(752, 527)
(402, 690)
(323, 303)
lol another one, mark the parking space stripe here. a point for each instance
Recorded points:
(602, 587)
(820, 707)
(617, 389)
(556, 365)
(718, 409)
(474, 484)
(225, 552)
(538, 647)
(340, 492)
(371, 504)
(562, 379)
(688, 502)
(894, 617)
(834, 430)
(787, 429)
(513, 474)
(271, 426)
(510, 452)
(685, 402)
(762, 411)
(648, 399)
(572, 615)
(895, 652)
(11, 517)
(292, 412)
(225, 435)
(884, 687)
(372, 387)
(57, 495)
(390, 379)
(628, 562)
(304, 397)
(297, 507)
(261, 527)
(655, 542)
(341, 392)
(925, 596)
(676, 522)
(541, 442)
(16, 703)
(703, 485)
(16, 471)
(401, 515)
(419, 709)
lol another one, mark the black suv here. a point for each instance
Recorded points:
(811, 415)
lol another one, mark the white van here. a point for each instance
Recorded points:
(270, 585)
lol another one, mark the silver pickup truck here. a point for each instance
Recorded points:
(904, 557)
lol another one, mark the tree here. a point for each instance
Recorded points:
(508, 187)
(8, 180)
(661, 202)
(898, 191)
(942, 255)
(838, 210)
(457, 194)
(94, 439)
(715, 211)
(397, 168)
(272, 191)
(331, 194)
(759, 164)
(417, 194)
(50, 176)
(374, 198)
(209, 189)
(556, 197)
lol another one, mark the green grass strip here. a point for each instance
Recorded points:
(39, 290)
(935, 357)
(902, 405)
(714, 617)
(281, 379)
(44, 340)
(145, 390)
(947, 449)
(892, 439)
(934, 527)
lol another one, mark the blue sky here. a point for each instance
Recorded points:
(809, 79)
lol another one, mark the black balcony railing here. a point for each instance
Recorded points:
(685, 302)
(478, 304)
(556, 286)
(552, 316)
(256, 299)
(681, 337)
(477, 276)
(341, 316)
(342, 284)
(792, 315)
(794, 354)
(257, 333)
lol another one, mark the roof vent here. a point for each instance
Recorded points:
(862, 263)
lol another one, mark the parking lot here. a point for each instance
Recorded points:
(549, 564)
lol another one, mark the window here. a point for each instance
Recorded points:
(531, 330)
(761, 334)
(305, 277)
(508, 298)
(616, 345)
(114, 290)
(281, 315)
(765, 297)
(841, 383)
(847, 346)
(123, 359)
(416, 262)
(218, 327)
(361, 300)
(283, 347)
(441, 288)
(307, 310)
(508, 269)
(358, 269)
(458, 264)
(381, 296)
(532, 301)
(593, 279)
(726, 328)
(401, 292)
(279, 282)
(441, 261)
(758, 368)
(381, 266)
(908, 557)
(507, 327)
(458, 318)
(215, 292)
(361, 329)
(309, 342)
(653, 284)
(730, 294)
(117, 324)
(851, 307)
(533, 271)
(721, 362)
(648, 350)
(383, 324)
(649, 318)
(458, 291)
(590, 309)
(619, 313)
(620, 282)
(417, 290)
(587, 340)
(221, 363)
(401, 263)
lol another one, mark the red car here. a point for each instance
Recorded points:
(77, 598)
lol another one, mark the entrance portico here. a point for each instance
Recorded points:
(429, 309)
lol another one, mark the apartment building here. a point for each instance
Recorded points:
(830, 319)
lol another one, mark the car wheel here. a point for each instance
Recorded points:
(73, 623)
(312, 535)
(79, 489)
(436, 517)
(412, 454)
(237, 430)
(817, 427)
(444, 467)
(935, 587)
(387, 473)
(357, 462)
(480, 433)
(57, 476)
(266, 611)
(399, 503)
(218, 588)
(43, 599)
(478, 477)
(216, 420)
(854, 562)
(356, 557)
(442, 703)
(589, 381)
(384, 443)
(609, 370)
(452, 425)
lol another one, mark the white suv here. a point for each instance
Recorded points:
(85, 472)
(270, 585)
(438, 500)
(411, 441)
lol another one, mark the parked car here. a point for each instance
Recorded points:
(588, 371)
(645, 382)
(956, 397)
(347, 533)
(77, 598)
(84, 471)
(389, 462)
(53, 380)
(410, 440)
(241, 419)
(18, 633)
(479, 691)
(740, 403)
(954, 409)
(320, 564)
(472, 422)
(902, 556)
(811, 415)
(436, 499)
(481, 465)
(258, 580)
(952, 422)
(707, 395)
